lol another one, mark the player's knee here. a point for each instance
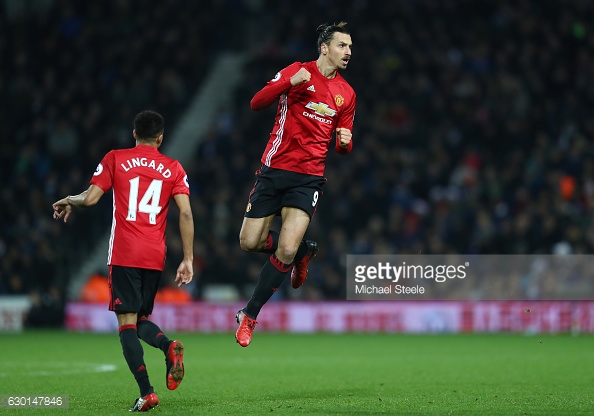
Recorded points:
(286, 252)
(249, 244)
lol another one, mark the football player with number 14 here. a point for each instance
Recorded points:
(143, 181)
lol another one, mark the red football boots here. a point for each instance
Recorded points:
(246, 327)
(146, 403)
(175, 364)
(299, 272)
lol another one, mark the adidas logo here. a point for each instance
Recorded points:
(118, 301)
(311, 88)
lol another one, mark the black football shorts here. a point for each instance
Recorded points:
(133, 289)
(276, 188)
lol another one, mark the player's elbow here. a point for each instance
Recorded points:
(260, 102)
(186, 215)
(255, 104)
(91, 196)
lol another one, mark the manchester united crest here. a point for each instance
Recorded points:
(339, 100)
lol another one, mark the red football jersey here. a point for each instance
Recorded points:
(306, 117)
(143, 181)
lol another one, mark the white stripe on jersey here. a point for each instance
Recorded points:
(279, 132)
(112, 234)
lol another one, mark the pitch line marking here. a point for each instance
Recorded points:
(56, 368)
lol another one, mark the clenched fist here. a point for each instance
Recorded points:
(301, 77)
(343, 136)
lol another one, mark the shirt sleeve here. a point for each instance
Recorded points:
(182, 186)
(103, 176)
(274, 88)
(347, 119)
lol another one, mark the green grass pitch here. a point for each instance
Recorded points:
(313, 374)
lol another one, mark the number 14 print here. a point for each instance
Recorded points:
(149, 203)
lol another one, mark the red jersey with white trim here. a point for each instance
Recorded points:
(143, 181)
(306, 117)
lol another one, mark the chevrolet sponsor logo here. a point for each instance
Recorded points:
(321, 109)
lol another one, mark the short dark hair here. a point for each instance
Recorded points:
(326, 32)
(148, 125)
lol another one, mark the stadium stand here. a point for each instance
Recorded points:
(473, 131)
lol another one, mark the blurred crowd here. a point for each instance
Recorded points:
(473, 131)
(73, 76)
